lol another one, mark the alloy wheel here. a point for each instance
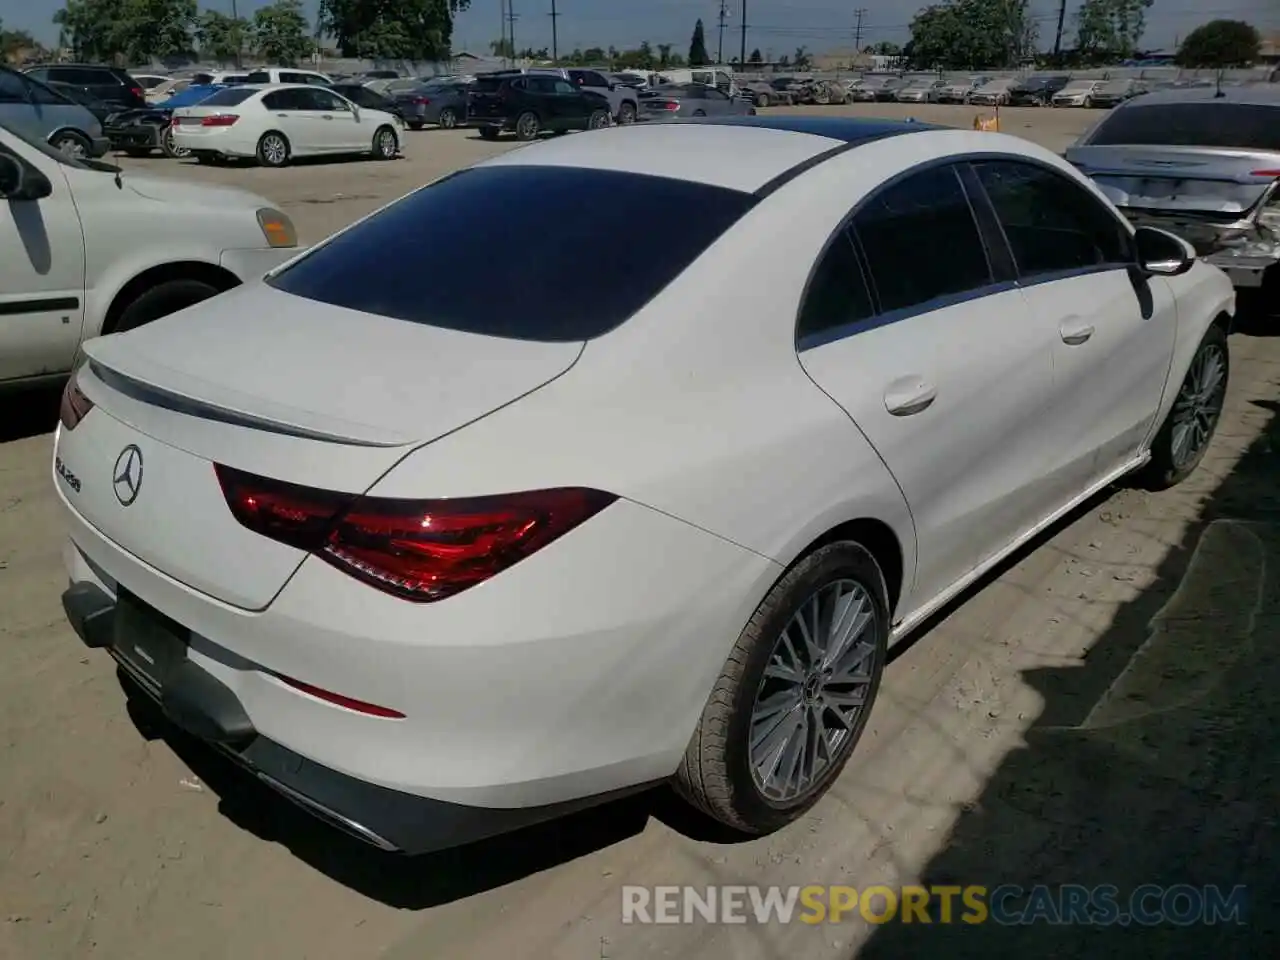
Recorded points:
(273, 149)
(813, 692)
(1199, 405)
(387, 143)
(73, 148)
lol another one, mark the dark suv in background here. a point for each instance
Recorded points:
(528, 103)
(109, 84)
(1037, 90)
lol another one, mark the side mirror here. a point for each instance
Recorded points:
(1163, 254)
(20, 182)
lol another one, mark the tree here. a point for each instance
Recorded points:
(755, 57)
(502, 48)
(281, 34)
(392, 29)
(1109, 30)
(18, 45)
(971, 35)
(135, 30)
(220, 36)
(1220, 44)
(698, 46)
(802, 60)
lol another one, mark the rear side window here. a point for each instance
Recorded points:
(258, 76)
(921, 241)
(1208, 124)
(282, 99)
(227, 98)
(837, 294)
(1051, 223)
(487, 84)
(436, 258)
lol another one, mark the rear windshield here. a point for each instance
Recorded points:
(1207, 124)
(227, 98)
(516, 251)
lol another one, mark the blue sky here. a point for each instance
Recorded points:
(773, 25)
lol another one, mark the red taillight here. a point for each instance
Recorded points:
(139, 93)
(672, 107)
(219, 120)
(420, 550)
(359, 706)
(75, 405)
(1265, 173)
(422, 101)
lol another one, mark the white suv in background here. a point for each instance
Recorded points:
(271, 75)
(86, 249)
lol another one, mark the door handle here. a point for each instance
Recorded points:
(1075, 331)
(909, 396)
(328, 116)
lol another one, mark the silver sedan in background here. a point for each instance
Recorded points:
(681, 100)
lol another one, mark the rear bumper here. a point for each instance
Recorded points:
(134, 136)
(99, 146)
(203, 707)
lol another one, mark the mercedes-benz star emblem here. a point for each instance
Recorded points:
(126, 480)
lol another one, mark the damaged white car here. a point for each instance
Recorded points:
(1203, 163)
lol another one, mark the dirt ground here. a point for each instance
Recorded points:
(1102, 711)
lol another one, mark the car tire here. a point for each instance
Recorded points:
(137, 151)
(72, 144)
(415, 125)
(762, 100)
(273, 149)
(162, 300)
(527, 126)
(1198, 406)
(598, 120)
(386, 145)
(448, 119)
(626, 114)
(751, 112)
(489, 133)
(718, 774)
(1088, 103)
(169, 147)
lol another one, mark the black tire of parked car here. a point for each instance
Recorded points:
(527, 126)
(162, 300)
(598, 120)
(137, 151)
(762, 99)
(72, 143)
(715, 774)
(386, 145)
(1161, 471)
(415, 125)
(489, 133)
(448, 118)
(273, 149)
(626, 114)
(169, 147)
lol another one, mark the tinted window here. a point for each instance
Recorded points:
(258, 76)
(41, 94)
(290, 77)
(202, 79)
(529, 281)
(921, 241)
(40, 73)
(229, 98)
(150, 83)
(83, 77)
(326, 101)
(837, 294)
(693, 91)
(563, 87)
(487, 84)
(1051, 223)
(1207, 124)
(12, 88)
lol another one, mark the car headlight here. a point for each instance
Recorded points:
(277, 228)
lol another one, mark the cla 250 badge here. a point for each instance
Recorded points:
(72, 480)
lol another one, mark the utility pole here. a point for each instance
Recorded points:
(742, 57)
(724, 15)
(857, 31)
(1057, 37)
(512, 16)
(502, 22)
(235, 25)
(555, 55)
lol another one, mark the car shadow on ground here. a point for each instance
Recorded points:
(1156, 761)
(29, 412)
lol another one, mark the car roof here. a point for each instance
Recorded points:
(1264, 94)
(745, 153)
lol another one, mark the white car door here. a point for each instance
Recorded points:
(41, 270)
(338, 129)
(910, 325)
(1114, 329)
(287, 111)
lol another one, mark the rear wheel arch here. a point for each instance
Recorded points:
(878, 539)
(215, 276)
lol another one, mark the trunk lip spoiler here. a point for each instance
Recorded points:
(155, 396)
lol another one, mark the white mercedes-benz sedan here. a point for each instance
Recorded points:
(445, 529)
